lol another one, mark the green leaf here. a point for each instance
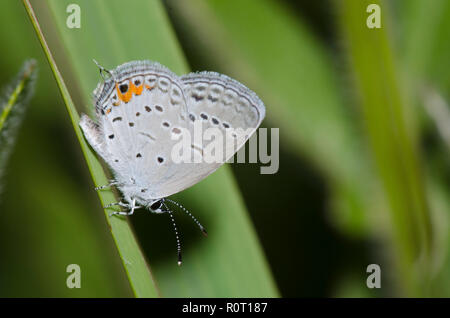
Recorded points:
(230, 262)
(133, 260)
(12, 109)
(388, 115)
(425, 29)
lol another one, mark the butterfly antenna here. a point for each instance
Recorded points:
(189, 213)
(176, 234)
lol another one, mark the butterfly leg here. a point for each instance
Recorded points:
(132, 207)
(110, 184)
(122, 204)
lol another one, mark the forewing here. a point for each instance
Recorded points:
(138, 128)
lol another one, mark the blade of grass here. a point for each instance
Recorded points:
(230, 262)
(387, 114)
(134, 263)
(12, 109)
(44, 204)
(426, 28)
(21, 90)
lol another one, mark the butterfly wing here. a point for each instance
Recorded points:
(138, 118)
(223, 104)
(144, 108)
(94, 135)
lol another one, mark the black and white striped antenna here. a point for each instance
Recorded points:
(190, 214)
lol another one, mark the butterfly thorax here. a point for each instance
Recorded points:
(139, 193)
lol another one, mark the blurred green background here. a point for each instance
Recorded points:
(364, 173)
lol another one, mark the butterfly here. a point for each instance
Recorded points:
(142, 111)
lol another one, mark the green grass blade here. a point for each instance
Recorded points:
(12, 108)
(45, 202)
(138, 273)
(230, 262)
(388, 117)
(425, 52)
(21, 90)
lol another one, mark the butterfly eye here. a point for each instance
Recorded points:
(156, 206)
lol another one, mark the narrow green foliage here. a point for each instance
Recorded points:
(388, 116)
(230, 262)
(139, 274)
(12, 109)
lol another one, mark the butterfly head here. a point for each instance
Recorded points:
(158, 206)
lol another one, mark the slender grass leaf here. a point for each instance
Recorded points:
(12, 109)
(230, 262)
(139, 275)
(388, 114)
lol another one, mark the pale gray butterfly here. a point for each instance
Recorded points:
(141, 108)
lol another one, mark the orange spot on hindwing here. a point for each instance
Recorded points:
(125, 91)
(138, 89)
